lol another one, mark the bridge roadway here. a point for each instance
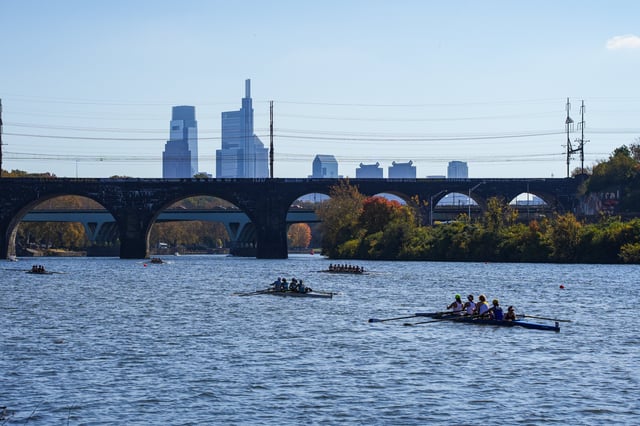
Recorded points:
(99, 224)
(135, 204)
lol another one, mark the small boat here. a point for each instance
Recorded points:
(344, 269)
(329, 271)
(472, 319)
(156, 260)
(289, 293)
(40, 272)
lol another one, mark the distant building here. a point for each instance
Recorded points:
(242, 155)
(369, 171)
(325, 166)
(180, 156)
(402, 170)
(457, 170)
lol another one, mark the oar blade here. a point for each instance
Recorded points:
(374, 320)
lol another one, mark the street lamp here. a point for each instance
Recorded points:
(469, 201)
(431, 205)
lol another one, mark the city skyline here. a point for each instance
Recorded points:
(381, 83)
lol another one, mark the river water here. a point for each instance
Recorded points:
(107, 341)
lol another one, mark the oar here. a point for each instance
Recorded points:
(424, 322)
(251, 293)
(390, 319)
(545, 318)
(448, 318)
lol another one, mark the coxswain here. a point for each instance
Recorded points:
(511, 314)
(456, 306)
(301, 287)
(496, 310)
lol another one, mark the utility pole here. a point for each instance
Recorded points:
(568, 124)
(271, 139)
(569, 127)
(0, 138)
(581, 141)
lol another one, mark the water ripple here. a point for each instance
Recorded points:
(113, 342)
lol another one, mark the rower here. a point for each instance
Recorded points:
(456, 306)
(482, 307)
(496, 310)
(469, 306)
(277, 284)
(284, 286)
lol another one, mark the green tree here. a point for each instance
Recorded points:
(564, 236)
(339, 216)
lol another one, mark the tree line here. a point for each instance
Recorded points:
(354, 226)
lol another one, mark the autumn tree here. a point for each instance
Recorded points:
(299, 235)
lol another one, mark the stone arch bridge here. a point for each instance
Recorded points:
(136, 203)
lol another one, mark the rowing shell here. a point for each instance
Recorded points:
(289, 293)
(487, 321)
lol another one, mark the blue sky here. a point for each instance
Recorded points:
(87, 86)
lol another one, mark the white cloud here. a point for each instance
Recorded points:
(628, 41)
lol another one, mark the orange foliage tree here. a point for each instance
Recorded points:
(299, 235)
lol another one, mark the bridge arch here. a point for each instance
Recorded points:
(202, 216)
(70, 199)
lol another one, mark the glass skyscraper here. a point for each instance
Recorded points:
(242, 155)
(457, 170)
(324, 166)
(180, 156)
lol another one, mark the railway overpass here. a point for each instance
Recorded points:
(135, 204)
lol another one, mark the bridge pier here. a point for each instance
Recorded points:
(134, 247)
(134, 235)
(7, 243)
(272, 243)
(271, 226)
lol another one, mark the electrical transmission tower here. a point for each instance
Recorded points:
(568, 123)
(581, 141)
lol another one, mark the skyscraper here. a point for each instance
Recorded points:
(180, 156)
(242, 154)
(457, 170)
(325, 166)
